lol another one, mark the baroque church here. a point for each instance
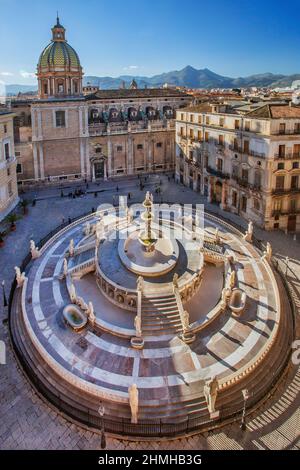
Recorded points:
(72, 133)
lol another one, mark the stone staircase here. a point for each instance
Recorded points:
(160, 315)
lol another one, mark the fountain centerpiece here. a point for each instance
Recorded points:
(146, 236)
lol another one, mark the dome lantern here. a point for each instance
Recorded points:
(59, 70)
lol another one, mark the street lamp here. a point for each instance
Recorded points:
(101, 411)
(246, 395)
(5, 303)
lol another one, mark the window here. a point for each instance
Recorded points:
(6, 151)
(235, 171)
(191, 117)
(206, 136)
(294, 182)
(60, 88)
(207, 120)
(280, 166)
(235, 144)
(181, 131)
(5, 128)
(279, 182)
(119, 148)
(158, 144)
(191, 154)
(296, 150)
(281, 151)
(221, 140)
(221, 122)
(236, 124)
(45, 89)
(60, 118)
(8, 171)
(247, 126)
(256, 204)
(295, 165)
(17, 154)
(98, 149)
(293, 205)
(220, 164)
(75, 87)
(297, 128)
(182, 117)
(282, 128)
(9, 188)
(19, 168)
(191, 133)
(245, 174)
(244, 203)
(199, 136)
(246, 146)
(199, 119)
(277, 205)
(257, 179)
(139, 146)
(234, 198)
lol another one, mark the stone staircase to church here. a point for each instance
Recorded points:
(160, 315)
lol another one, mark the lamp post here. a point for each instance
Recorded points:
(5, 303)
(246, 395)
(101, 411)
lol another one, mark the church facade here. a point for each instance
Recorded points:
(68, 134)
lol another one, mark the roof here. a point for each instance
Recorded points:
(276, 111)
(138, 93)
(59, 54)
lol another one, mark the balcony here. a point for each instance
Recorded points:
(287, 132)
(233, 148)
(279, 212)
(218, 173)
(279, 191)
(287, 156)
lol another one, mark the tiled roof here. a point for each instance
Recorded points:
(138, 93)
(59, 54)
(276, 111)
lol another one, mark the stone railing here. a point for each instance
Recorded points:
(81, 269)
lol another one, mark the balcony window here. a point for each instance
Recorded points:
(256, 204)
(247, 126)
(221, 140)
(295, 165)
(295, 182)
(293, 205)
(280, 182)
(236, 124)
(60, 118)
(297, 128)
(206, 136)
(191, 117)
(281, 151)
(282, 128)
(246, 146)
(244, 204)
(234, 198)
(280, 166)
(296, 150)
(19, 168)
(199, 119)
(277, 205)
(220, 164)
(6, 151)
(199, 135)
(207, 120)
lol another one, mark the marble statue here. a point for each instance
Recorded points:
(225, 295)
(268, 253)
(65, 267)
(232, 279)
(210, 392)
(81, 303)
(134, 402)
(217, 236)
(249, 232)
(71, 247)
(175, 280)
(87, 229)
(139, 283)
(138, 326)
(20, 277)
(186, 320)
(90, 313)
(72, 292)
(35, 253)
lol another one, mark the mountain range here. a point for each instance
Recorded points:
(188, 77)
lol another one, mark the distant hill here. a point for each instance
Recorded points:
(194, 78)
(188, 77)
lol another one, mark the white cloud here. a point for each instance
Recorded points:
(6, 74)
(25, 74)
(131, 67)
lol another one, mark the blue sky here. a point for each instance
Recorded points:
(147, 37)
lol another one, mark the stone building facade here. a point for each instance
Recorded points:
(68, 134)
(8, 180)
(247, 162)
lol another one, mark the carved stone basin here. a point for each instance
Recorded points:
(237, 301)
(74, 317)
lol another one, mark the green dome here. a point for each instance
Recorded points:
(59, 54)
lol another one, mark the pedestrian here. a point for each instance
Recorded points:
(69, 220)
(61, 193)
(129, 196)
(93, 210)
(117, 188)
(62, 220)
(95, 194)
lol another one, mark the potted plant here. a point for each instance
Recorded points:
(2, 235)
(24, 204)
(11, 219)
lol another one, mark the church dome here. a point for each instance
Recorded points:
(59, 54)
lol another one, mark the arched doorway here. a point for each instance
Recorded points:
(99, 169)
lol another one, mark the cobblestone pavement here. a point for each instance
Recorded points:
(27, 422)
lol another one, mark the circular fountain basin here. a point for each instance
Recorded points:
(159, 261)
